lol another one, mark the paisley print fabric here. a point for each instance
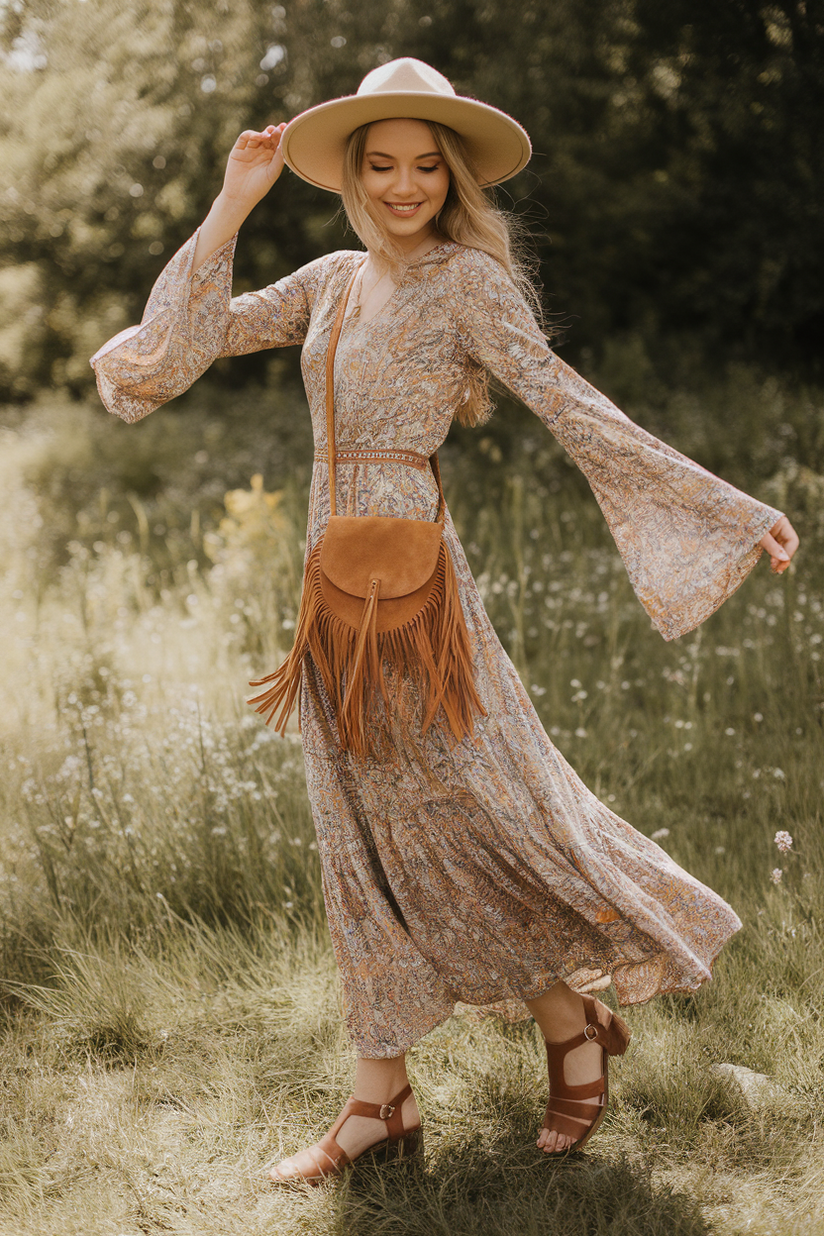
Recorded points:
(480, 871)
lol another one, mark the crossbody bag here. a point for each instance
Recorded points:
(377, 592)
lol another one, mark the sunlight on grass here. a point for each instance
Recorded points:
(171, 1016)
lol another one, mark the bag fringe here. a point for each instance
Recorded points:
(433, 648)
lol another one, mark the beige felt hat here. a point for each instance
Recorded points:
(313, 144)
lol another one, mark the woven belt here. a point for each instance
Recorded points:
(411, 458)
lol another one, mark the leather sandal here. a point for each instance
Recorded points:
(577, 1111)
(331, 1160)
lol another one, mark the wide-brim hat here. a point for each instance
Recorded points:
(313, 144)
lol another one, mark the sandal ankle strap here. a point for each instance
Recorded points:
(389, 1112)
(378, 1111)
(603, 1026)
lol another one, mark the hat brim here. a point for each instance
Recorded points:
(313, 144)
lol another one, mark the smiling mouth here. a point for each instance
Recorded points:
(402, 208)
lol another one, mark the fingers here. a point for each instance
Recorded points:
(786, 535)
(780, 542)
(252, 139)
(778, 556)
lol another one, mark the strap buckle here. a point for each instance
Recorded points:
(387, 1110)
(591, 1037)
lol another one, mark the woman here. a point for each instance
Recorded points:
(481, 868)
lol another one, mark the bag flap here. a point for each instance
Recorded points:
(401, 553)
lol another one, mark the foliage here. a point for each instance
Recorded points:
(676, 178)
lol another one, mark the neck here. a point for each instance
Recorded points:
(420, 247)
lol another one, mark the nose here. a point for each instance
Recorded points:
(404, 181)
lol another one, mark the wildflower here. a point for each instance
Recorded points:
(784, 841)
(776, 874)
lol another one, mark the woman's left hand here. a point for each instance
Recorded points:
(780, 542)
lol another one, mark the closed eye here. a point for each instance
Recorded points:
(375, 167)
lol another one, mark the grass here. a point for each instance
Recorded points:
(171, 1017)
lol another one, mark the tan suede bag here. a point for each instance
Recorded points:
(376, 591)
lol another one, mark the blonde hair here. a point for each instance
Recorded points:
(468, 217)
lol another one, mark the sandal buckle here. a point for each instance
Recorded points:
(591, 1037)
(387, 1110)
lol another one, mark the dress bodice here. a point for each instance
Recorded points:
(687, 538)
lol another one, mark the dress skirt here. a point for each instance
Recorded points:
(485, 870)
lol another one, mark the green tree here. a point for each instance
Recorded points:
(676, 184)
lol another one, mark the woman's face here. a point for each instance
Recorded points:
(406, 179)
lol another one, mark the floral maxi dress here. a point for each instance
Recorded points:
(481, 870)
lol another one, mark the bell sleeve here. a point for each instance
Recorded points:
(687, 538)
(190, 320)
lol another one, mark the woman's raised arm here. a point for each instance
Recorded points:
(191, 318)
(255, 163)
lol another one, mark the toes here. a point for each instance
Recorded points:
(286, 1170)
(553, 1143)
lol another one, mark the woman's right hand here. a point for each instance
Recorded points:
(254, 165)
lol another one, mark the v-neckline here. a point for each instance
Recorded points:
(356, 322)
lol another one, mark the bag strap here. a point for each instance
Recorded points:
(331, 452)
(331, 449)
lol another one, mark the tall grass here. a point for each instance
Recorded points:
(171, 1016)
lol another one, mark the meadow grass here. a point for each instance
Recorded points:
(171, 1019)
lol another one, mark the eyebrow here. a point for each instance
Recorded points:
(379, 154)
